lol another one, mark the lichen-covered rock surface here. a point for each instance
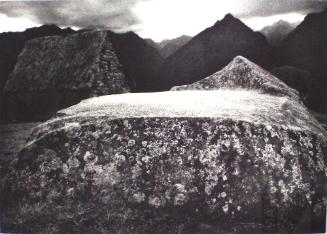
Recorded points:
(171, 162)
(66, 71)
(241, 73)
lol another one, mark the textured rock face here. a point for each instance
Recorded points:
(67, 70)
(243, 74)
(213, 49)
(171, 162)
(12, 43)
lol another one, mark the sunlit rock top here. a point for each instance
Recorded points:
(237, 105)
(243, 74)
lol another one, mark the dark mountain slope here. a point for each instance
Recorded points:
(278, 31)
(306, 48)
(140, 60)
(168, 47)
(213, 49)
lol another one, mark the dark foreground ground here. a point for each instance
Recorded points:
(322, 118)
(12, 139)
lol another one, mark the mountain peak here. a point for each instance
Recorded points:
(229, 20)
(229, 16)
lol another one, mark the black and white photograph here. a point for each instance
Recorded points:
(163, 116)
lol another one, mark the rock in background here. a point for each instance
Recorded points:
(12, 44)
(56, 72)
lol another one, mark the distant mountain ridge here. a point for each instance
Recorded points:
(305, 48)
(211, 50)
(168, 47)
(278, 31)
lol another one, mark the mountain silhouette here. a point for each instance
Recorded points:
(140, 60)
(168, 47)
(278, 31)
(305, 48)
(211, 50)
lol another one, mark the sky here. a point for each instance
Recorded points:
(155, 19)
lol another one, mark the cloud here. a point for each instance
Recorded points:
(109, 14)
(171, 18)
(151, 18)
(255, 8)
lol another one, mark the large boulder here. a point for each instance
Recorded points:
(242, 74)
(56, 72)
(171, 162)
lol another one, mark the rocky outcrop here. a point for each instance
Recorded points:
(56, 72)
(243, 74)
(305, 48)
(172, 162)
(11, 45)
(278, 31)
(213, 49)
